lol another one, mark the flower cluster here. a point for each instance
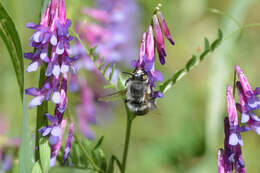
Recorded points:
(231, 158)
(146, 59)
(51, 42)
(249, 102)
(112, 27)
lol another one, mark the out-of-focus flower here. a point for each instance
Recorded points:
(68, 143)
(231, 157)
(112, 26)
(86, 110)
(52, 46)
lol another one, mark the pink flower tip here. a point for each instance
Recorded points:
(231, 107)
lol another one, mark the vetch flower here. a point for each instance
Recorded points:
(231, 157)
(51, 42)
(248, 102)
(68, 143)
(253, 102)
(160, 28)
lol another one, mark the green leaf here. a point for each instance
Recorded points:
(12, 41)
(70, 170)
(99, 142)
(113, 159)
(99, 157)
(168, 84)
(45, 154)
(37, 168)
(206, 44)
(26, 158)
(191, 62)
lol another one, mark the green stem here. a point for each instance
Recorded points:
(77, 139)
(41, 111)
(130, 118)
(86, 154)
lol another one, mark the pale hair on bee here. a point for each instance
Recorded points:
(138, 94)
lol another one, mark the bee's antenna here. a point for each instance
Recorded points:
(127, 73)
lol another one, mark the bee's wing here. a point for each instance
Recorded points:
(113, 97)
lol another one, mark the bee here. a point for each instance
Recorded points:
(138, 94)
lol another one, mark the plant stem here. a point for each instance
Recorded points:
(77, 138)
(40, 119)
(129, 121)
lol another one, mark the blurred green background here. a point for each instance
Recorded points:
(186, 131)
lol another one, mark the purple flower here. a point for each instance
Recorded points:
(231, 157)
(160, 27)
(68, 143)
(253, 102)
(86, 110)
(159, 40)
(221, 163)
(51, 42)
(248, 102)
(56, 147)
(165, 28)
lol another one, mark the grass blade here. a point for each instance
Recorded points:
(12, 41)
(26, 158)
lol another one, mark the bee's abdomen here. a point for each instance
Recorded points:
(137, 108)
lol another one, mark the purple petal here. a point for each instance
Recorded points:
(157, 94)
(157, 75)
(33, 66)
(47, 131)
(257, 91)
(56, 131)
(54, 140)
(134, 63)
(36, 101)
(32, 25)
(29, 56)
(233, 139)
(231, 107)
(32, 91)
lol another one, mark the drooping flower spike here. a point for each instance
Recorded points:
(52, 47)
(253, 102)
(248, 102)
(68, 143)
(231, 157)
(112, 27)
(146, 60)
(160, 28)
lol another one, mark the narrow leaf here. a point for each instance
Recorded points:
(112, 72)
(26, 158)
(94, 57)
(37, 168)
(45, 153)
(206, 44)
(191, 62)
(12, 41)
(99, 142)
(111, 164)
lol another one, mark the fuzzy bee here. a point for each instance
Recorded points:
(138, 94)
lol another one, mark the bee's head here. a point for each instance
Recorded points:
(140, 75)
